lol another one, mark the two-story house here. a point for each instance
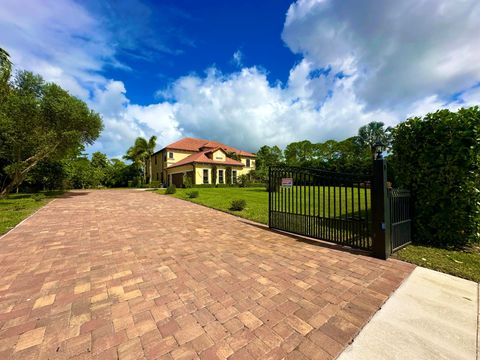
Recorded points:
(203, 161)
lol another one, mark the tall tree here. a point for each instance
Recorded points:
(297, 153)
(371, 134)
(141, 153)
(267, 156)
(40, 121)
(5, 67)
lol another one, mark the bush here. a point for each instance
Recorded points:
(171, 189)
(238, 205)
(204, 186)
(187, 182)
(192, 194)
(154, 184)
(243, 181)
(38, 197)
(437, 158)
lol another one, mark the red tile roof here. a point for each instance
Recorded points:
(193, 144)
(201, 157)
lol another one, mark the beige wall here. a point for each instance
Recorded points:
(163, 163)
(177, 156)
(199, 173)
(218, 155)
(156, 165)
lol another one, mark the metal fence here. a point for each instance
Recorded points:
(326, 205)
(401, 218)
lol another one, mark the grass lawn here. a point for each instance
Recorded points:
(465, 264)
(17, 207)
(300, 199)
(221, 199)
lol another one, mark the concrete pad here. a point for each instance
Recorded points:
(431, 316)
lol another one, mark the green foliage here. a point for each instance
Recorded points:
(233, 155)
(203, 186)
(38, 197)
(268, 156)
(187, 182)
(214, 174)
(40, 121)
(371, 134)
(192, 194)
(437, 158)
(238, 205)
(5, 71)
(154, 184)
(243, 180)
(140, 154)
(228, 176)
(171, 189)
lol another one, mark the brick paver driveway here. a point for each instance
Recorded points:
(132, 275)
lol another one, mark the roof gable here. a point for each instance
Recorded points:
(193, 144)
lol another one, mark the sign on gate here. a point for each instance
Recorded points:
(287, 182)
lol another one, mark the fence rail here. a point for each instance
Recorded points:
(401, 218)
(326, 205)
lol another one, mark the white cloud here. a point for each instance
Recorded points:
(59, 40)
(378, 60)
(237, 58)
(401, 51)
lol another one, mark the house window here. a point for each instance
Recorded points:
(220, 176)
(170, 155)
(156, 160)
(205, 176)
(234, 176)
(247, 162)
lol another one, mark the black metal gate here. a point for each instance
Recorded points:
(326, 205)
(400, 218)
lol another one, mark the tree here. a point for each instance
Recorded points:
(437, 158)
(268, 156)
(297, 153)
(371, 134)
(5, 68)
(40, 121)
(141, 152)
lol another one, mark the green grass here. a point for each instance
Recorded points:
(257, 201)
(17, 207)
(465, 264)
(221, 199)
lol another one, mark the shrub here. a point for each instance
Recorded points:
(187, 182)
(38, 197)
(238, 205)
(437, 158)
(171, 189)
(192, 194)
(243, 180)
(154, 184)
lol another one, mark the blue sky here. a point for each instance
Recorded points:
(175, 38)
(249, 73)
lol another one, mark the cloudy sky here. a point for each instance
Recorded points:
(249, 73)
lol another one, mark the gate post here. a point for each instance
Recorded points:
(382, 244)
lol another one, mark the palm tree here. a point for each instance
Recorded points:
(373, 134)
(141, 152)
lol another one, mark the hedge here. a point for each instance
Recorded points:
(437, 158)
